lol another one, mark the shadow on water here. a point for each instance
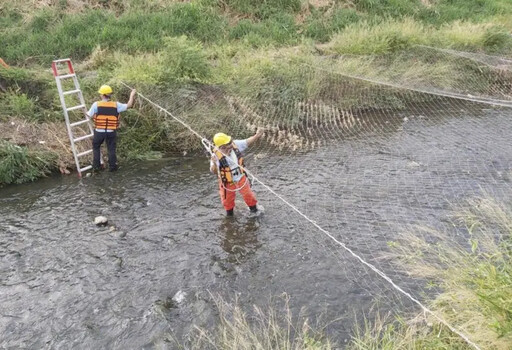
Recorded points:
(240, 238)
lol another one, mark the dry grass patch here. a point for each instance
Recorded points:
(48, 137)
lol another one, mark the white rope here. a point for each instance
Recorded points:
(490, 101)
(205, 141)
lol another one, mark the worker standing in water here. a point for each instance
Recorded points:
(105, 115)
(227, 161)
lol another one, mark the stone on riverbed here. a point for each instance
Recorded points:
(179, 297)
(100, 221)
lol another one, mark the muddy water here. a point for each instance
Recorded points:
(66, 283)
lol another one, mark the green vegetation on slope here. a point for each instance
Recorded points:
(51, 32)
(236, 44)
(19, 165)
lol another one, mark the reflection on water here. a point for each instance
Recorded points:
(240, 238)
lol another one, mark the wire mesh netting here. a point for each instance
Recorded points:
(384, 154)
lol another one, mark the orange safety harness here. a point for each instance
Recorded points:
(225, 171)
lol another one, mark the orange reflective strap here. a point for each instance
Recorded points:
(107, 117)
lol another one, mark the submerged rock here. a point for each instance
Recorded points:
(179, 297)
(413, 164)
(100, 221)
(120, 234)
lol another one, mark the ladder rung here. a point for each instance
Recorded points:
(83, 137)
(71, 92)
(62, 60)
(75, 108)
(84, 153)
(66, 76)
(89, 167)
(79, 122)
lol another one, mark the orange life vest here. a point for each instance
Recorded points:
(107, 117)
(224, 170)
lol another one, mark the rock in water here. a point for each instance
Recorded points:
(179, 297)
(100, 220)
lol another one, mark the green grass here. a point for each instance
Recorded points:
(279, 29)
(29, 94)
(320, 27)
(52, 32)
(475, 281)
(386, 333)
(447, 11)
(272, 328)
(264, 9)
(79, 34)
(19, 165)
(18, 105)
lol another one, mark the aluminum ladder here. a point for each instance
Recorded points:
(71, 126)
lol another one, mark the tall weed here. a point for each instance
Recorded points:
(396, 35)
(388, 36)
(19, 165)
(475, 280)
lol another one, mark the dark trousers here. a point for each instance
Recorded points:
(110, 139)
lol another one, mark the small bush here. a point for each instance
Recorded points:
(18, 105)
(30, 92)
(19, 165)
(184, 59)
(142, 69)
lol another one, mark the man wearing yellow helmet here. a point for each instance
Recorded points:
(105, 115)
(228, 163)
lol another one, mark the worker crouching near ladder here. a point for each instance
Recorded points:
(227, 161)
(105, 115)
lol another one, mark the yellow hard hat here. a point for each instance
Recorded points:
(221, 139)
(105, 90)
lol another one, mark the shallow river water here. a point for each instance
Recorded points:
(65, 283)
